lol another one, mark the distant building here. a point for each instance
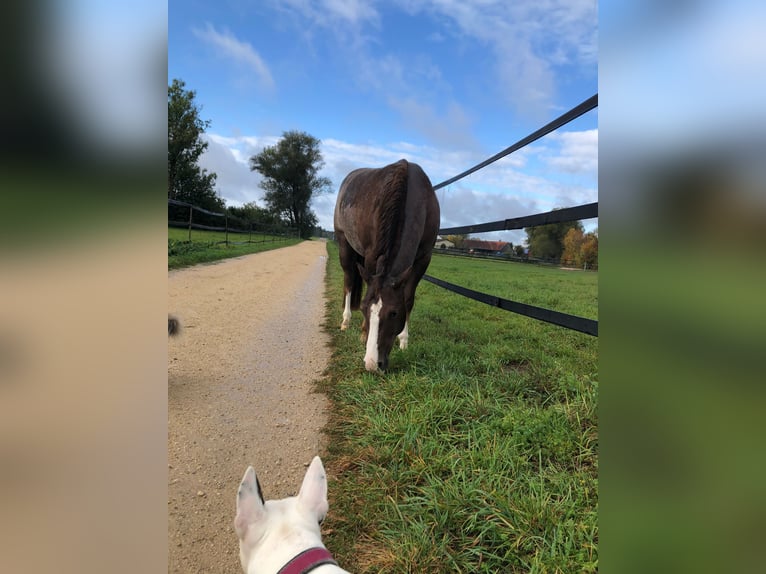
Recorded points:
(493, 247)
(442, 243)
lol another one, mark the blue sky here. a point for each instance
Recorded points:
(444, 83)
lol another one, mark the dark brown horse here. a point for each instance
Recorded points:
(386, 221)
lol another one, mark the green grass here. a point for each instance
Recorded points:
(477, 451)
(572, 292)
(206, 246)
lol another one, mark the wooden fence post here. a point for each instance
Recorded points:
(191, 210)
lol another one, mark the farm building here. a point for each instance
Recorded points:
(442, 243)
(479, 246)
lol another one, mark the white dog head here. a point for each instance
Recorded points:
(272, 532)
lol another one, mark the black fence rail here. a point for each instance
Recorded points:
(587, 211)
(188, 216)
(573, 322)
(563, 119)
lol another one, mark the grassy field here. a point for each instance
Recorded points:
(205, 246)
(477, 452)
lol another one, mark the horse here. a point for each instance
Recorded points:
(386, 221)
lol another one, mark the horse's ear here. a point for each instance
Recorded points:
(380, 266)
(401, 278)
(363, 272)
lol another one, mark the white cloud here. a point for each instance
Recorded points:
(500, 191)
(229, 157)
(419, 94)
(528, 42)
(351, 10)
(452, 129)
(463, 205)
(467, 203)
(228, 46)
(578, 152)
(528, 38)
(331, 13)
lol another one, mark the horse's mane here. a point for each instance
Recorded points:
(393, 196)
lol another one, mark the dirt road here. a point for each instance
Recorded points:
(240, 392)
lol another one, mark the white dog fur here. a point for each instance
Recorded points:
(273, 532)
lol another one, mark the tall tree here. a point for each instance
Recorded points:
(186, 180)
(589, 251)
(572, 244)
(290, 171)
(457, 240)
(547, 241)
(580, 249)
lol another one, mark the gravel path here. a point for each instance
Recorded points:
(240, 392)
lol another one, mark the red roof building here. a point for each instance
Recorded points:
(486, 246)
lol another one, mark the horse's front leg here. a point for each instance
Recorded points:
(404, 336)
(350, 277)
(409, 302)
(346, 311)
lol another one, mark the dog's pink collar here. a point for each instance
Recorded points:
(307, 560)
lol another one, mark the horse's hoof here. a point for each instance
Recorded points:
(343, 327)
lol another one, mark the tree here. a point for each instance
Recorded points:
(254, 213)
(290, 171)
(518, 250)
(589, 250)
(580, 250)
(186, 180)
(457, 240)
(572, 243)
(547, 241)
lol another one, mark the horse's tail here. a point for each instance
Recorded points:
(174, 326)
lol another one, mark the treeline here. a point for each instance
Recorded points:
(245, 219)
(564, 242)
(289, 169)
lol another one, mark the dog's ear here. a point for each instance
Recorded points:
(313, 494)
(250, 504)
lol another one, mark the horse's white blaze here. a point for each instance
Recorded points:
(371, 353)
(404, 336)
(346, 312)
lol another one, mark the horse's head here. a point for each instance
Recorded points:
(385, 314)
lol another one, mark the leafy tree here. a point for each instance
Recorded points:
(290, 171)
(186, 180)
(572, 244)
(518, 250)
(457, 240)
(589, 250)
(253, 212)
(580, 250)
(547, 241)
